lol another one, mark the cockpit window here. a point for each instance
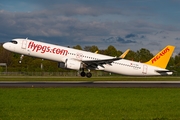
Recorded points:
(14, 42)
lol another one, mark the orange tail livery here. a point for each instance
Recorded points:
(162, 58)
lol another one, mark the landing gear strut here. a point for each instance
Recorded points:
(21, 59)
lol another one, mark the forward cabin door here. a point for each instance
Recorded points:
(24, 47)
(24, 44)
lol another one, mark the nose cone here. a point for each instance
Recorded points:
(8, 46)
(5, 46)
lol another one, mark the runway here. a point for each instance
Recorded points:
(100, 84)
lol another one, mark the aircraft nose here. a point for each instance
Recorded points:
(5, 45)
(9, 46)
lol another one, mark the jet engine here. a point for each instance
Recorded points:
(70, 64)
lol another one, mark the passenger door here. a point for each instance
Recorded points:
(145, 67)
(24, 44)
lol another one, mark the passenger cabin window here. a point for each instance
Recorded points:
(14, 42)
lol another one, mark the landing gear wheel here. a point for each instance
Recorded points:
(83, 74)
(88, 75)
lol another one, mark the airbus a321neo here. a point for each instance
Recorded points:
(80, 60)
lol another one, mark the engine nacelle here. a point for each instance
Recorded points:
(73, 64)
(61, 65)
(70, 64)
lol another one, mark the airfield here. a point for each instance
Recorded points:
(100, 84)
(74, 98)
(123, 82)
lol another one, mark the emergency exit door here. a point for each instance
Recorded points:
(145, 68)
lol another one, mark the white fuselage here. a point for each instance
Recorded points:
(60, 53)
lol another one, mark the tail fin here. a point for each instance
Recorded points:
(162, 58)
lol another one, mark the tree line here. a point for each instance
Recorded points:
(31, 64)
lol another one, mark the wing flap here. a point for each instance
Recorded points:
(95, 63)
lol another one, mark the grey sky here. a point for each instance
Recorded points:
(150, 24)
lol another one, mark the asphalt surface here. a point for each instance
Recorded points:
(100, 84)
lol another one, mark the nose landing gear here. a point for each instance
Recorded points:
(20, 61)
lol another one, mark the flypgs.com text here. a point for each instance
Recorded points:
(44, 48)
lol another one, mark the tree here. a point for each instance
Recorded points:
(101, 52)
(119, 53)
(132, 56)
(177, 60)
(87, 48)
(78, 47)
(171, 64)
(94, 48)
(91, 48)
(144, 55)
(177, 63)
(6, 56)
(111, 51)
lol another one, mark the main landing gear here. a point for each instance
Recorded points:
(83, 74)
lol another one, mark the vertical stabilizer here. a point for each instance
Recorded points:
(162, 58)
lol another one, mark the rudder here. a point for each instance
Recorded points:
(162, 58)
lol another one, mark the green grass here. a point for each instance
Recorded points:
(89, 103)
(110, 78)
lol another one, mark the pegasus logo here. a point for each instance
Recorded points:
(157, 57)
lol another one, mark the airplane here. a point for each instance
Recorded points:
(80, 60)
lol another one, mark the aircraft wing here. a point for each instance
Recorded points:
(95, 63)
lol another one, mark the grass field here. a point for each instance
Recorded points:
(110, 78)
(89, 103)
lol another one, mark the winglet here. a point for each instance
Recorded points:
(124, 54)
(162, 58)
(96, 52)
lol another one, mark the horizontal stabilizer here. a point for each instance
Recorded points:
(164, 72)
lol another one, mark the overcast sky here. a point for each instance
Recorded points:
(134, 24)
